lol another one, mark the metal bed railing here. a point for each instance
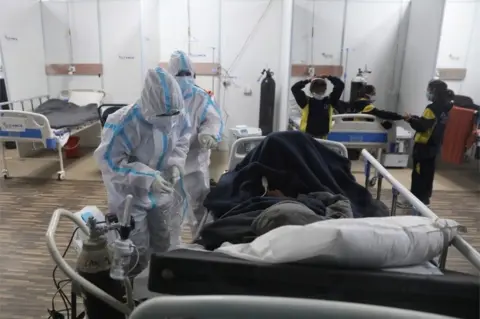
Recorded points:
(31, 101)
(247, 307)
(472, 255)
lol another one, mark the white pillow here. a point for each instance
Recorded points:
(379, 242)
(83, 98)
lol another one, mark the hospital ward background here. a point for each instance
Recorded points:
(67, 65)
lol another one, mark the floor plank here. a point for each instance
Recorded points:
(26, 206)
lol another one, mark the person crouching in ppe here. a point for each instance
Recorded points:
(430, 128)
(317, 110)
(142, 152)
(364, 105)
(207, 130)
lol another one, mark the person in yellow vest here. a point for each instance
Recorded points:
(428, 139)
(364, 105)
(317, 109)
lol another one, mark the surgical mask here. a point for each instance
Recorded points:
(372, 97)
(317, 96)
(429, 96)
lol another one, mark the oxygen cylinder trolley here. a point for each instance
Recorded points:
(102, 268)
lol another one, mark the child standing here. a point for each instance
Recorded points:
(428, 139)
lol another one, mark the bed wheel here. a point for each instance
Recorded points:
(373, 181)
(5, 174)
(61, 176)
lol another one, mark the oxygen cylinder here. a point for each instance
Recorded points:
(267, 102)
(357, 82)
(93, 264)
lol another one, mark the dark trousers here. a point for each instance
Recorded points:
(423, 174)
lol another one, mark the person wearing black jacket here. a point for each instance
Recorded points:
(317, 110)
(364, 105)
(430, 128)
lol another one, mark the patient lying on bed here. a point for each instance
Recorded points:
(293, 167)
(290, 211)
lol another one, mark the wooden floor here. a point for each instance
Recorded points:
(26, 205)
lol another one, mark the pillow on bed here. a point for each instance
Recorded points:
(82, 98)
(382, 242)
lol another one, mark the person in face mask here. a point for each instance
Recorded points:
(142, 152)
(207, 130)
(364, 105)
(317, 110)
(428, 139)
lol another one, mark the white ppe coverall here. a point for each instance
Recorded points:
(206, 119)
(139, 143)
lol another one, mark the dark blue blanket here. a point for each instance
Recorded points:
(293, 163)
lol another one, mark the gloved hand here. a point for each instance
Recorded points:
(175, 174)
(161, 184)
(207, 141)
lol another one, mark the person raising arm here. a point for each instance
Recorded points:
(317, 110)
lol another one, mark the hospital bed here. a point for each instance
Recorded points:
(199, 272)
(194, 271)
(236, 156)
(356, 131)
(27, 127)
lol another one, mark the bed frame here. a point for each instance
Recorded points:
(236, 157)
(241, 307)
(458, 242)
(28, 128)
(362, 131)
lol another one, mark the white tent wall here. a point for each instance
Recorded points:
(421, 52)
(284, 74)
(204, 20)
(375, 35)
(71, 36)
(150, 34)
(354, 34)
(121, 45)
(459, 45)
(244, 36)
(107, 32)
(22, 49)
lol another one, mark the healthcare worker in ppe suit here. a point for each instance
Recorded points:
(142, 152)
(207, 130)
